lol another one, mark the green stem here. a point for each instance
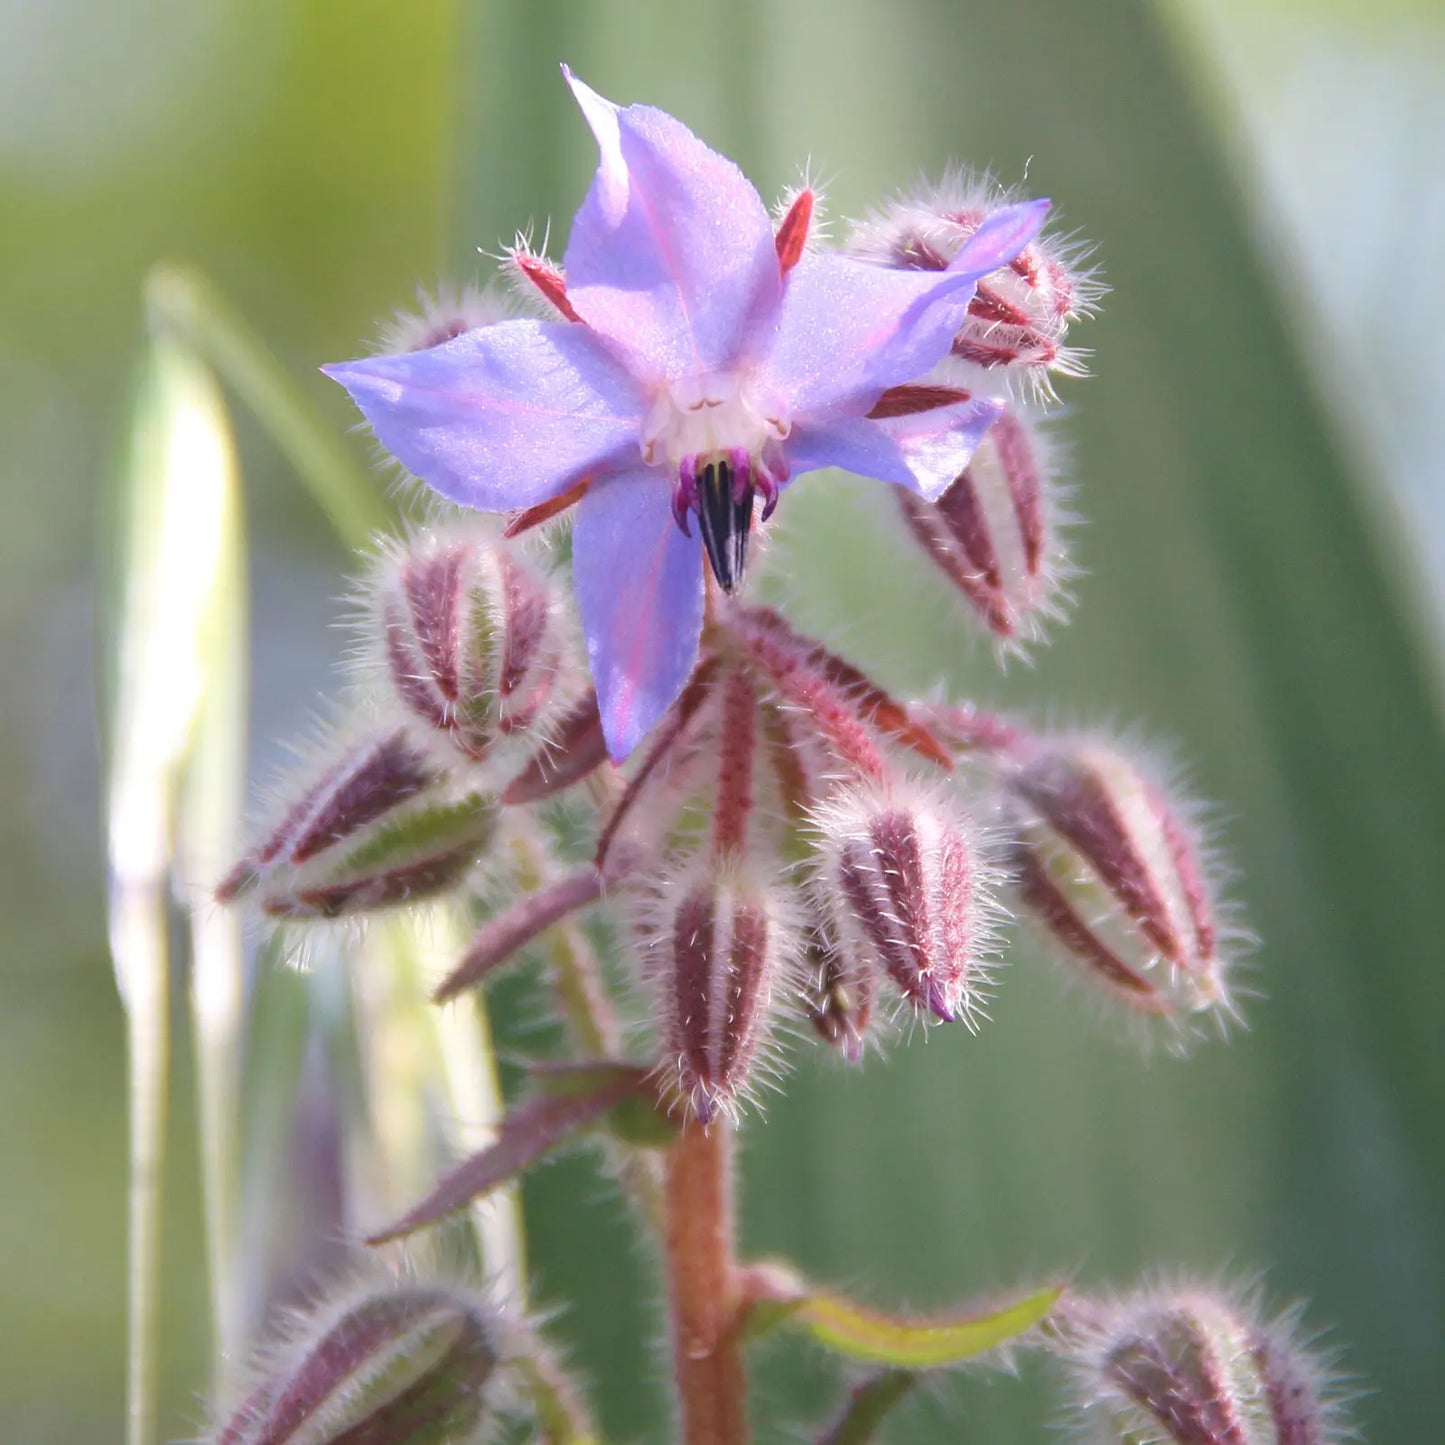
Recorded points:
(868, 1403)
(216, 1017)
(184, 302)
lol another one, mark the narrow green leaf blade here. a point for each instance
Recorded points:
(778, 1296)
(177, 493)
(921, 1344)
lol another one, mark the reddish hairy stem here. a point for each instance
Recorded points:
(735, 765)
(664, 736)
(703, 1292)
(968, 729)
(839, 698)
(576, 749)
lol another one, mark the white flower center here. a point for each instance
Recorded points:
(710, 417)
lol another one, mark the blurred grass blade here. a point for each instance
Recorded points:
(175, 500)
(275, 1051)
(184, 303)
(431, 1079)
(208, 840)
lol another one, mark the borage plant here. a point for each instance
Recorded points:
(772, 843)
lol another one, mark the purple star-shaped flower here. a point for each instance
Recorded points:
(704, 363)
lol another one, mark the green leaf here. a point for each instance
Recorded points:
(914, 1342)
(209, 831)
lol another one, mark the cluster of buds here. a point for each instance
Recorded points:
(1192, 1365)
(388, 1364)
(997, 532)
(837, 873)
(468, 679)
(792, 842)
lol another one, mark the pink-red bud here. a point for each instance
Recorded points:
(473, 639)
(441, 318)
(399, 1365)
(1113, 869)
(1190, 1366)
(376, 826)
(840, 994)
(719, 955)
(903, 883)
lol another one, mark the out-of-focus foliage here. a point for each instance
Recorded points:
(1348, 203)
(1238, 599)
(297, 153)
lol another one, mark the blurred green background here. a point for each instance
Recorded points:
(1258, 460)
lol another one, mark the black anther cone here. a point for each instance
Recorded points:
(725, 523)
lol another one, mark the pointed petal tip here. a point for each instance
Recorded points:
(588, 99)
(1000, 238)
(354, 376)
(940, 1004)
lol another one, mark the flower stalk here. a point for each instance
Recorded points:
(702, 1285)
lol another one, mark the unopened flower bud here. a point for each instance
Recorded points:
(720, 953)
(1020, 314)
(405, 1365)
(1112, 868)
(377, 825)
(994, 533)
(440, 318)
(904, 885)
(1188, 1366)
(840, 994)
(473, 639)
